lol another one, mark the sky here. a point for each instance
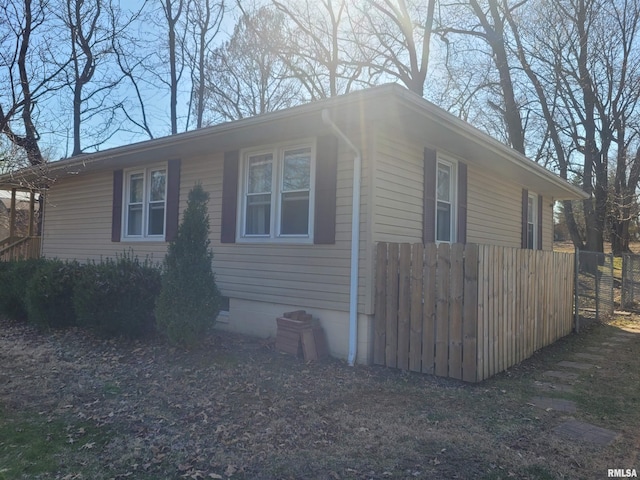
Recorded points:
(57, 130)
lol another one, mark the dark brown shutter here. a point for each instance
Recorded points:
(324, 229)
(429, 196)
(462, 203)
(540, 222)
(173, 199)
(116, 211)
(230, 196)
(525, 208)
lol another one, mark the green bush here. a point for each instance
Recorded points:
(14, 278)
(189, 300)
(117, 297)
(49, 294)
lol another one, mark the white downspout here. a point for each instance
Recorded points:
(355, 239)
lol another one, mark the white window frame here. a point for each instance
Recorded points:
(532, 199)
(453, 166)
(146, 175)
(277, 173)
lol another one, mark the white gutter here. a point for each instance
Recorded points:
(355, 239)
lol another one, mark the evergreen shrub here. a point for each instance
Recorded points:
(189, 300)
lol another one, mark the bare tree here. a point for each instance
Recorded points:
(92, 28)
(132, 62)
(19, 59)
(12, 157)
(204, 20)
(394, 37)
(546, 81)
(247, 75)
(621, 62)
(320, 52)
(173, 11)
(581, 57)
(488, 25)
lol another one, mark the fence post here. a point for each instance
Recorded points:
(613, 305)
(576, 314)
(631, 268)
(597, 284)
(623, 289)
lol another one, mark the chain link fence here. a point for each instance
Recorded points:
(630, 295)
(594, 300)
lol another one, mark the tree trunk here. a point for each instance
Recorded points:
(30, 140)
(494, 35)
(594, 208)
(572, 225)
(77, 104)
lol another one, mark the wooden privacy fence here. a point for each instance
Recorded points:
(468, 311)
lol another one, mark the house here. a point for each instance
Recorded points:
(281, 202)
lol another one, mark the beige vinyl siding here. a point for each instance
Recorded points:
(494, 205)
(77, 221)
(494, 211)
(310, 276)
(397, 215)
(78, 226)
(313, 277)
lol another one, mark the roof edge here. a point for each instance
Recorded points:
(473, 133)
(411, 100)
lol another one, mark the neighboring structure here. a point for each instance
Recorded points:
(21, 214)
(281, 202)
(19, 224)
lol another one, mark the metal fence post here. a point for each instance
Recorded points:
(576, 314)
(597, 281)
(613, 305)
(623, 284)
(629, 280)
(630, 270)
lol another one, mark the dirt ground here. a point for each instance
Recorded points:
(236, 408)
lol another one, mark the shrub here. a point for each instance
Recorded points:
(14, 278)
(49, 294)
(117, 297)
(189, 299)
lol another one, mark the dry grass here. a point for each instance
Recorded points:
(238, 409)
(567, 247)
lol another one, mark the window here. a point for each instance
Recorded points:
(277, 199)
(260, 177)
(445, 201)
(532, 226)
(145, 203)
